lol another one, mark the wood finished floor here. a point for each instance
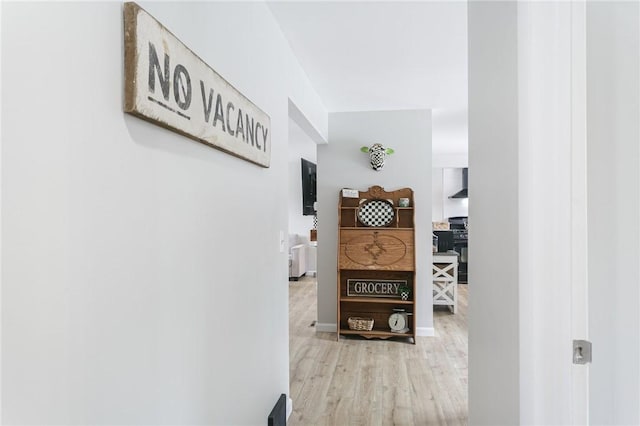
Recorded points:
(376, 382)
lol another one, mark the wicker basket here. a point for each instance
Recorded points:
(360, 324)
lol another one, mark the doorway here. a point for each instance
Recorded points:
(553, 89)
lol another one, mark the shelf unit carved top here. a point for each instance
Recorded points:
(376, 191)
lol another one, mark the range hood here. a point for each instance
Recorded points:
(465, 182)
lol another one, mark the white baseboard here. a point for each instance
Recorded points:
(326, 327)
(289, 407)
(425, 331)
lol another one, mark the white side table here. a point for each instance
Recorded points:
(445, 280)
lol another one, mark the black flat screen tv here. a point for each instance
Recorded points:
(308, 187)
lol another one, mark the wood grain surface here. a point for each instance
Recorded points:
(380, 249)
(376, 382)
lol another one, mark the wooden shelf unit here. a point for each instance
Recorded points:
(382, 256)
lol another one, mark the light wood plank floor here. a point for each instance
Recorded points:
(376, 382)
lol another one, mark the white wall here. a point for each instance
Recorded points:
(494, 394)
(341, 164)
(522, 73)
(300, 146)
(141, 277)
(521, 205)
(545, 211)
(445, 183)
(1, 221)
(450, 136)
(442, 160)
(613, 135)
(437, 195)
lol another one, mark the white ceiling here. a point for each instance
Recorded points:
(364, 56)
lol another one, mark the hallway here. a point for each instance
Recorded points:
(376, 382)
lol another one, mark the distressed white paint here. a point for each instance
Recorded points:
(188, 96)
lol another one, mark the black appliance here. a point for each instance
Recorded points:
(463, 193)
(458, 225)
(445, 240)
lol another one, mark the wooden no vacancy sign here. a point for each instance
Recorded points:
(169, 85)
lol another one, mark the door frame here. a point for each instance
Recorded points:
(579, 227)
(527, 196)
